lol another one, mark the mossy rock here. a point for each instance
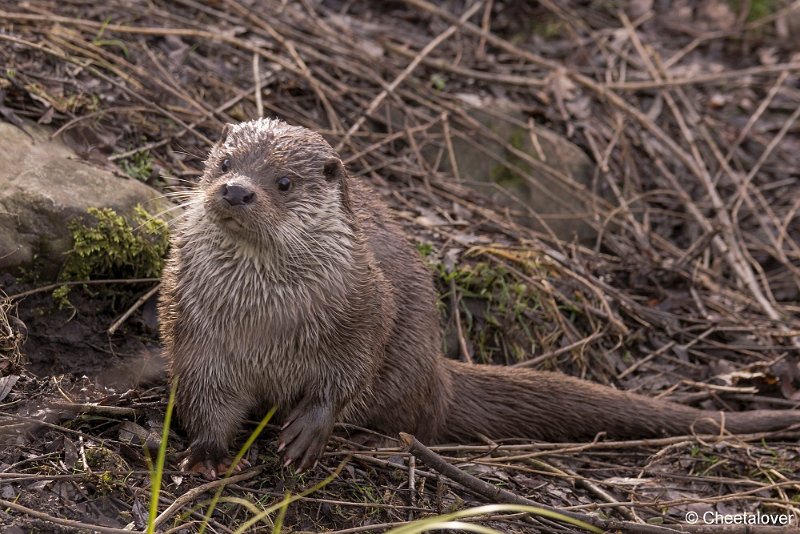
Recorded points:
(43, 186)
(555, 188)
(113, 246)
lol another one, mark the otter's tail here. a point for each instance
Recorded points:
(503, 402)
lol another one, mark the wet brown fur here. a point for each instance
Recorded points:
(313, 300)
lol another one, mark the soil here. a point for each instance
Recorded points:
(74, 339)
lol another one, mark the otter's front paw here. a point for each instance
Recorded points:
(305, 434)
(211, 469)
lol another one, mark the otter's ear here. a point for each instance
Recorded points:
(333, 171)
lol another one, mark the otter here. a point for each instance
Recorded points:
(288, 284)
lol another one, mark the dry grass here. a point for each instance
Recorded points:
(12, 337)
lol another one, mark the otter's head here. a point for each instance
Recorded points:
(269, 183)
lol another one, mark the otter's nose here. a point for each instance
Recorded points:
(236, 195)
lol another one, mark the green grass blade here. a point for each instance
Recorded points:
(246, 447)
(287, 501)
(158, 472)
(281, 513)
(442, 521)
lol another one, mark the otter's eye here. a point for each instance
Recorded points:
(225, 166)
(284, 183)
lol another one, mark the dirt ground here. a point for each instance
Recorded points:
(688, 291)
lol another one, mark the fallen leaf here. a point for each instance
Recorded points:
(6, 385)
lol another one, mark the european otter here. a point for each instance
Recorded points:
(288, 284)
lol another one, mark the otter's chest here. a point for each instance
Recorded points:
(250, 312)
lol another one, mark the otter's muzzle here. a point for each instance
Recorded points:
(237, 195)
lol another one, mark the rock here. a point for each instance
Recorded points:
(542, 185)
(44, 186)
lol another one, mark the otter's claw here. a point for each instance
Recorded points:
(305, 434)
(211, 470)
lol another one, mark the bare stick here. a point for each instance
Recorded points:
(136, 305)
(408, 70)
(257, 85)
(61, 521)
(494, 494)
(187, 497)
(498, 495)
(50, 287)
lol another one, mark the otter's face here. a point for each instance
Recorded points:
(271, 183)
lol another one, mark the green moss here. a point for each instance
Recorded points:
(504, 176)
(495, 310)
(105, 483)
(518, 138)
(30, 274)
(425, 249)
(138, 166)
(438, 82)
(113, 246)
(549, 27)
(758, 8)
(101, 458)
